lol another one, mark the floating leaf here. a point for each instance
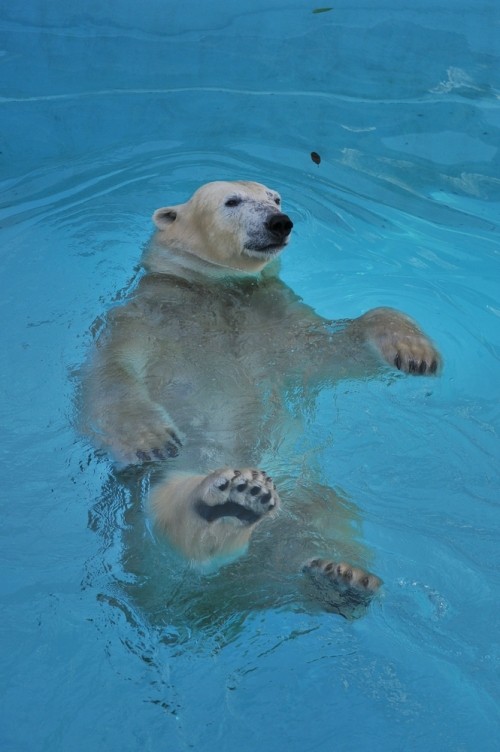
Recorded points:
(315, 157)
(322, 10)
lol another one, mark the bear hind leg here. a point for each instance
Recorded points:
(213, 516)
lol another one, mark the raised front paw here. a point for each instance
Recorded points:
(243, 495)
(400, 341)
(340, 587)
(413, 354)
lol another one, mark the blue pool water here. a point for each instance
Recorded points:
(110, 110)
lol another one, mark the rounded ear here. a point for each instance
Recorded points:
(164, 217)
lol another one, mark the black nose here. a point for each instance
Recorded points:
(280, 225)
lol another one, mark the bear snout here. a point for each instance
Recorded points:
(279, 225)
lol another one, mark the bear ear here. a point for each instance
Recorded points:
(164, 217)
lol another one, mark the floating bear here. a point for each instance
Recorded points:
(203, 370)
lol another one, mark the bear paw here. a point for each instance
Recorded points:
(243, 495)
(142, 433)
(164, 445)
(340, 587)
(415, 355)
(400, 341)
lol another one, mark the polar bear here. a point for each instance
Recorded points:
(203, 370)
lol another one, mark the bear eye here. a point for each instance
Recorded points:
(277, 200)
(233, 201)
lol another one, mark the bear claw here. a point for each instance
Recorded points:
(169, 449)
(419, 367)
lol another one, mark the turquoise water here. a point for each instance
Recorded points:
(109, 111)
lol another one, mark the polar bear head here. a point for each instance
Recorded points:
(236, 225)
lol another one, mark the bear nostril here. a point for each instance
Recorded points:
(280, 225)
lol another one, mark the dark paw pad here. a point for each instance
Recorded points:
(243, 495)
